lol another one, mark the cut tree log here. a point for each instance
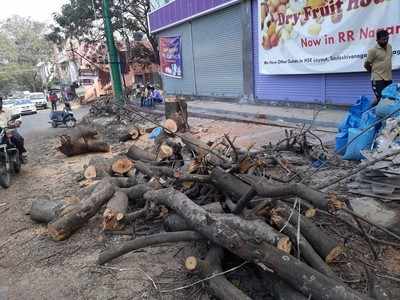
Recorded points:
(173, 222)
(64, 226)
(99, 167)
(328, 248)
(122, 166)
(258, 229)
(306, 250)
(171, 126)
(296, 273)
(115, 212)
(152, 240)
(229, 184)
(135, 194)
(165, 151)
(90, 172)
(136, 153)
(327, 202)
(80, 141)
(219, 286)
(82, 146)
(131, 134)
(45, 211)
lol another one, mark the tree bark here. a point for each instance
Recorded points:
(298, 274)
(136, 153)
(102, 166)
(135, 194)
(115, 212)
(64, 226)
(219, 286)
(229, 184)
(317, 199)
(152, 240)
(306, 250)
(326, 247)
(45, 211)
(82, 146)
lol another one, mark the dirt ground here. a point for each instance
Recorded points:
(34, 267)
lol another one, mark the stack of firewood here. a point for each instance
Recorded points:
(211, 192)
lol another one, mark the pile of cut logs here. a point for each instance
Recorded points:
(211, 192)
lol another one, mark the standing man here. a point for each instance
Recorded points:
(53, 99)
(379, 64)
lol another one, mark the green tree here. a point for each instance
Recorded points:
(22, 47)
(82, 20)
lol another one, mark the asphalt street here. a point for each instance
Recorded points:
(39, 123)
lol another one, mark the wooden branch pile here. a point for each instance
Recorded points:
(213, 192)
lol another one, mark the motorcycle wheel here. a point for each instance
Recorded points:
(71, 123)
(54, 124)
(5, 180)
(17, 163)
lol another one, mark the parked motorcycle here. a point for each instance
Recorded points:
(10, 158)
(64, 117)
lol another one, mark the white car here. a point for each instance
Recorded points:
(9, 105)
(39, 99)
(25, 106)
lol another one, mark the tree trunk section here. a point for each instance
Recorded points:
(64, 226)
(115, 212)
(298, 274)
(229, 184)
(306, 250)
(45, 211)
(136, 153)
(327, 247)
(219, 286)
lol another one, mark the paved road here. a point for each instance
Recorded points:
(38, 123)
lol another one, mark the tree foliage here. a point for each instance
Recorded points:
(82, 20)
(22, 47)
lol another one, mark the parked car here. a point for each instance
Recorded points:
(25, 106)
(39, 99)
(9, 105)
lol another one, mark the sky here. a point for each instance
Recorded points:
(39, 10)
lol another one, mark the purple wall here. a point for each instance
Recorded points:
(340, 89)
(179, 10)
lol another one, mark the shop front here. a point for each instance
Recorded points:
(303, 51)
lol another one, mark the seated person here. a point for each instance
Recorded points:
(16, 139)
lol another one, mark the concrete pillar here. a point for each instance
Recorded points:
(247, 52)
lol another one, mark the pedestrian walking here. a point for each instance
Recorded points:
(53, 98)
(379, 64)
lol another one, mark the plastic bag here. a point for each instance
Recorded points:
(352, 120)
(392, 91)
(361, 140)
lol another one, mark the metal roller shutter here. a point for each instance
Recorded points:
(217, 48)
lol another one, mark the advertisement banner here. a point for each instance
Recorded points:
(171, 56)
(323, 36)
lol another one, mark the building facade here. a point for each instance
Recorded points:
(220, 48)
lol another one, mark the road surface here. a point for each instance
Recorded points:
(38, 123)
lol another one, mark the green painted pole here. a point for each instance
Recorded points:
(112, 54)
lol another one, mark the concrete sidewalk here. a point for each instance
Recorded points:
(325, 117)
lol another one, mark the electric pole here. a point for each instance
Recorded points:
(112, 54)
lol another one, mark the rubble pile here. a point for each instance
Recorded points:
(246, 206)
